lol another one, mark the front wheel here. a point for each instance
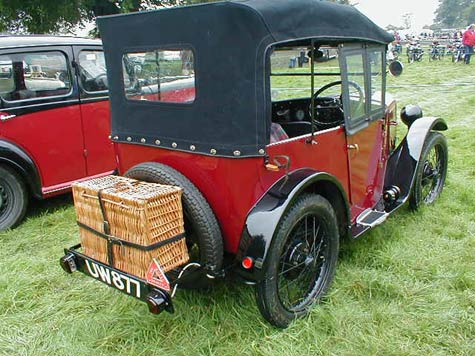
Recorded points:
(301, 261)
(431, 171)
(13, 198)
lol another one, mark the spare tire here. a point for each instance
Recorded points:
(202, 231)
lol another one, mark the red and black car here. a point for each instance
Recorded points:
(278, 164)
(54, 119)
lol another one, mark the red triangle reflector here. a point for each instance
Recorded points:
(156, 276)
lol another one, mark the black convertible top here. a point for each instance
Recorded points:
(231, 113)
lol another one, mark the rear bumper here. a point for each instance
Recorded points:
(157, 299)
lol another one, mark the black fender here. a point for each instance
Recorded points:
(264, 217)
(403, 162)
(18, 159)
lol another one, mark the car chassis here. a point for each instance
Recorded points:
(271, 212)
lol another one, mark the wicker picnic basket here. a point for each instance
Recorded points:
(126, 223)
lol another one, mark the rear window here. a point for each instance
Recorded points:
(34, 75)
(160, 75)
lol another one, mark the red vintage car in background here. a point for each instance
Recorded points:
(277, 164)
(54, 119)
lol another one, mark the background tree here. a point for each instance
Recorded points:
(46, 16)
(407, 20)
(63, 16)
(455, 13)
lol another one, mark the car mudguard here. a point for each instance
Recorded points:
(403, 162)
(264, 217)
(15, 157)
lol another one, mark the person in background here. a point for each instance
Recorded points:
(468, 40)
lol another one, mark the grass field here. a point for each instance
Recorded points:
(405, 288)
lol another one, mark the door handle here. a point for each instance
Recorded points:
(353, 146)
(4, 118)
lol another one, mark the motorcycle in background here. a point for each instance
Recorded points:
(414, 52)
(458, 52)
(437, 51)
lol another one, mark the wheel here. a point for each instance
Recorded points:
(205, 243)
(301, 261)
(13, 198)
(431, 171)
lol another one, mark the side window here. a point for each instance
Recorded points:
(34, 75)
(356, 86)
(364, 76)
(161, 75)
(6, 77)
(92, 71)
(375, 58)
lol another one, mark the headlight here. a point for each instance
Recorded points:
(411, 113)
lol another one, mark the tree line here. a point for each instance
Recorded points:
(455, 13)
(63, 16)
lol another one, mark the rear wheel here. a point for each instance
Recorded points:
(431, 171)
(13, 198)
(301, 261)
(203, 235)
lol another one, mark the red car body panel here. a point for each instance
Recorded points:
(53, 139)
(56, 142)
(99, 150)
(251, 179)
(366, 167)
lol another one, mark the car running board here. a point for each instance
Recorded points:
(370, 218)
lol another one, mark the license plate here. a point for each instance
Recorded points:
(114, 278)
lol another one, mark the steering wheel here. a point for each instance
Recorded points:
(100, 82)
(329, 109)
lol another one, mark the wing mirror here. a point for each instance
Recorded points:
(396, 68)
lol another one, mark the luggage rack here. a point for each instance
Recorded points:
(158, 299)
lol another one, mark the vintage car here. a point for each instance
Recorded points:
(54, 119)
(278, 164)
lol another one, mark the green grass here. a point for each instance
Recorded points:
(405, 288)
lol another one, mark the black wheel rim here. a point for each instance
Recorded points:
(303, 263)
(433, 175)
(5, 199)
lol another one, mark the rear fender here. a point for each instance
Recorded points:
(263, 219)
(15, 157)
(403, 162)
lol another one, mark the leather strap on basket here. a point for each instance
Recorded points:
(107, 229)
(112, 240)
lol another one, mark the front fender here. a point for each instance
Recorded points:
(403, 162)
(264, 217)
(18, 159)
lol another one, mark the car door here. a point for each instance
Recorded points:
(363, 101)
(95, 112)
(41, 115)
